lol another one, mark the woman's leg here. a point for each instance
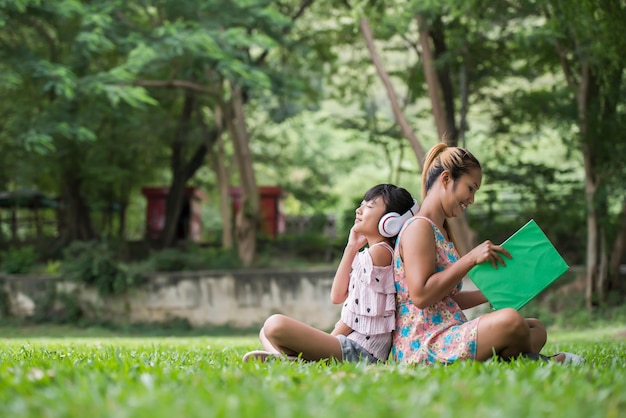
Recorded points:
(505, 333)
(538, 335)
(283, 335)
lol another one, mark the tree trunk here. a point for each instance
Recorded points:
(247, 218)
(432, 80)
(406, 129)
(592, 234)
(175, 193)
(182, 171)
(437, 35)
(121, 228)
(75, 211)
(617, 254)
(465, 237)
(589, 122)
(217, 156)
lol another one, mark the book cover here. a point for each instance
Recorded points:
(534, 266)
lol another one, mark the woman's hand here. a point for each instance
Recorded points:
(489, 252)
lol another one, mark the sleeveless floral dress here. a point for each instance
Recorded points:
(439, 333)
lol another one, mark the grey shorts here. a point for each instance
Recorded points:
(351, 351)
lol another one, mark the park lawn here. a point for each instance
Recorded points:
(109, 376)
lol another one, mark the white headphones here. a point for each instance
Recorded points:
(391, 223)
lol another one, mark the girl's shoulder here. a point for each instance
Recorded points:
(381, 254)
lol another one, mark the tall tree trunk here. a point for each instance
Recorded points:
(76, 216)
(247, 218)
(617, 254)
(443, 113)
(589, 122)
(121, 228)
(406, 129)
(218, 159)
(592, 232)
(182, 171)
(175, 193)
(444, 77)
(432, 80)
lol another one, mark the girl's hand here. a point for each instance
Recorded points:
(489, 252)
(355, 239)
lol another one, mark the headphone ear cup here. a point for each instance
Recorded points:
(390, 224)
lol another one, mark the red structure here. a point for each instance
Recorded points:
(189, 224)
(272, 220)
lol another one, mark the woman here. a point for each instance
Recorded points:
(430, 324)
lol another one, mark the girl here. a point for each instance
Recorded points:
(430, 324)
(363, 283)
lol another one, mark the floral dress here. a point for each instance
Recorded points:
(439, 333)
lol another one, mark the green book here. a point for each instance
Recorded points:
(534, 266)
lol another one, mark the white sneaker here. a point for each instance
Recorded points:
(572, 359)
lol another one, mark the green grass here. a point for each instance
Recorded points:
(93, 373)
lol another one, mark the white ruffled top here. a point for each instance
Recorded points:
(371, 304)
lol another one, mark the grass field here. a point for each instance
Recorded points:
(93, 373)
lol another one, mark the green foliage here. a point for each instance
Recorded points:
(53, 267)
(193, 376)
(517, 191)
(305, 246)
(94, 263)
(18, 260)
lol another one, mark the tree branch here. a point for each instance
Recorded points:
(561, 52)
(303, 6)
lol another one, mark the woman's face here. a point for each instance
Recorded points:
(368, 215)
(461, 193)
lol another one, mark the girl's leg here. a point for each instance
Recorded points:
(283, 335)
(505, 333)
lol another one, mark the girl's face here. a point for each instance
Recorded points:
(460, 192)
(368, 215)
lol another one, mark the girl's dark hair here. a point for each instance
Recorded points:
(396, 199)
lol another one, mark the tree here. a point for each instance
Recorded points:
(57, 59)
(588, 42)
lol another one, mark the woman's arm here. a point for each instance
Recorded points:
(469, 298)
(418, 252)
(339, 290)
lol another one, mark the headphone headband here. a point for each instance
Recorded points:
(391, 223)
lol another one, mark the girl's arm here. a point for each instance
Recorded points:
(341, 329)
(339, 290)
(418, 252)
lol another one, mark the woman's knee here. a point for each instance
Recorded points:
(513, 323)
